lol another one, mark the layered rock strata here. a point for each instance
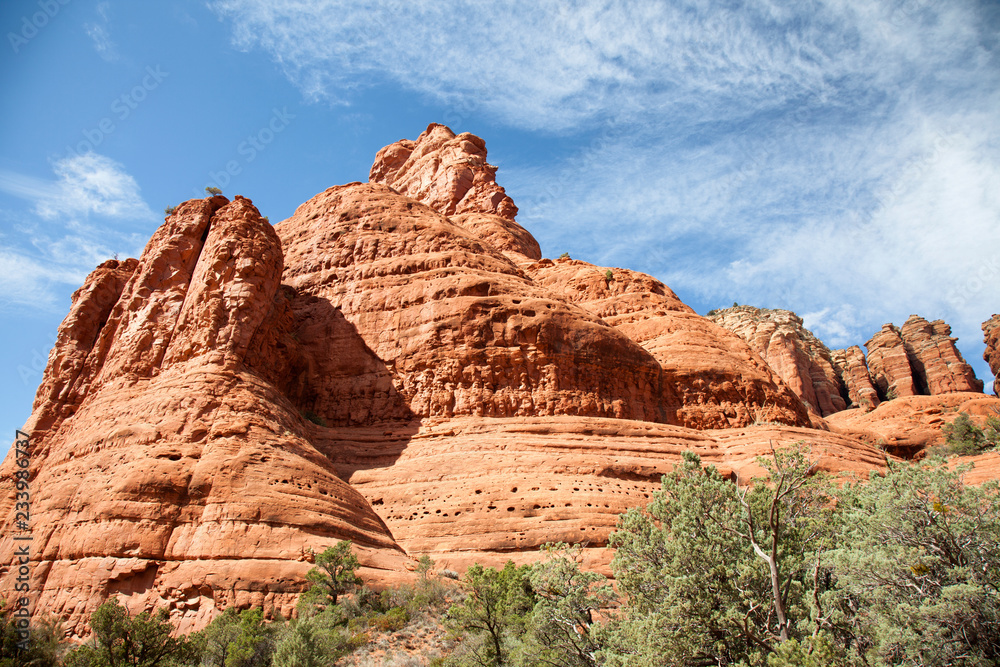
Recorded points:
(906, 427)
(938, 366)
(462, 328)
(720, 381)
(449, 173)
(797, 356)
(919, 359)
(395, 364)
(889, 364)
(991, 335)
(164, 468)
(852, 369)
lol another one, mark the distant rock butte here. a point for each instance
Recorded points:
(991, 334)
(395, 364)
(919, 359)
(800, 359)
(852, 369)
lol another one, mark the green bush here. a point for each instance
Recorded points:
(45, 648)
(565, 255)
(964, 438)
(213, 191)
(169, 210)
(237, 639)
(121, 640)
(333, 576)
(314, 418)
(392, 620)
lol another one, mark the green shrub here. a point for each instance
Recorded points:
(964, 438)
(314, 418)
(213, 191)
(565, 255)
(392, 620)
(333, 576)
(120, 639)
(45, 647)
(169, 210)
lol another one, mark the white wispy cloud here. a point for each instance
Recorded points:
(86, 184)
(100, 33)
(90, 212)
(834, 157)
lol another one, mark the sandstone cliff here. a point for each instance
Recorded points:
(920, 359)
(394, 364)
(991, 334)
(448, 173)
(852, 368)
(165, 468)
(797, 356)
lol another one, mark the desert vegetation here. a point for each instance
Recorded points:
(788, 569)
(964, 438)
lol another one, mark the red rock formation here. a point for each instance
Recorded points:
(907, 426)
(720, 382)
(918, 360)
(446, 172)
(991, 334)
(464, 397)
(938, 366)
(464, 331)
(505, 235)
(798, 357)
(889, 364)
(163, 468)
(67, 381)
(853, 371)
(475, 489)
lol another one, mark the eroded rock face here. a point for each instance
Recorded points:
(889, 364)
(798, 357)
(449, 173)
(907, 426)
(718, 381)
(474, 489)
(937, 364)
(395, 364)
(852, 369)
(920, 359)
(164, 468)
(462, 328)
(991, 334)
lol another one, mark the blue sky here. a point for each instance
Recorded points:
(839, 158)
